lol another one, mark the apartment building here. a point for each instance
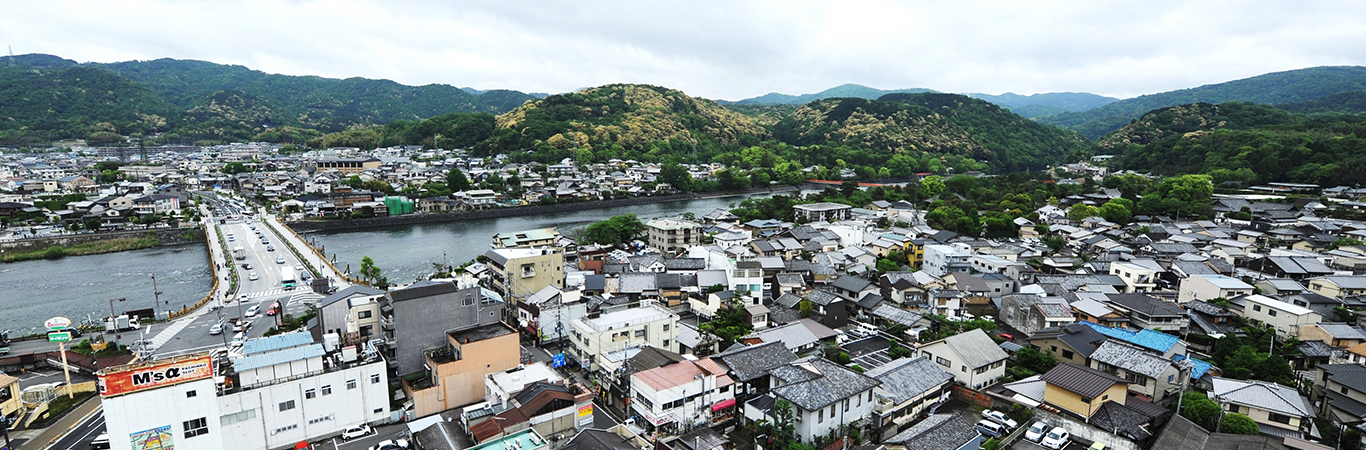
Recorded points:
(600, 333)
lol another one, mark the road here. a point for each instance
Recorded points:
(392, 431)
(79, 438)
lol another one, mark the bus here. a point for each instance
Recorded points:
(287, 277)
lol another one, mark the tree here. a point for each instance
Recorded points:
(456, 180)
(234, 168)
(932, 185)
(885, 265)
(1080, 212)
(1034, 360)
(677, 176)
(1199, 409)
(1116, 211)
(615, 231)
(368, 269)
(1235, 423)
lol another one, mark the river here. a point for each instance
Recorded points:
(407, 252)
(78, 287)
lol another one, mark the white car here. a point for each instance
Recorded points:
(253, 277)
(279, 260)
(217, 329)
(1056, 439)
(238, 339)
(355, 432)
(1036, 431)
(391, 444)
(253, 310)
(1000, 418)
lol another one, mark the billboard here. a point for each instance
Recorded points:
(159, 438)
(127, 380)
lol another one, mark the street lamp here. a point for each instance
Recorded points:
(115, 319)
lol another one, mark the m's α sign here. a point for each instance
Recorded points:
(135, 379)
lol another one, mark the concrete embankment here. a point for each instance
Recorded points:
(96, 243)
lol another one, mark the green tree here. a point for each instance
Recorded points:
(1034, 360)
(932, 185)
(456, 180)
(615, 231)
(885, 265)
(368, 269)
(677, 176)
(234, 168)
(1080, 212)
(1235, 423)
(1199, 409)
(1116, 211)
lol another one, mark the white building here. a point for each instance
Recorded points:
(824, 396)
(1286, 317)
(1207, 286)
(672, 236)
(597, 334)
(972, 357)
(1138, 275)
(684, 394)
(284, 390)
(942, 260)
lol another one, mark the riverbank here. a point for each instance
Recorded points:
(304, 226)
(95, 243)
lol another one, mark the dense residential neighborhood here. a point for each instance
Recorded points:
(849, 325)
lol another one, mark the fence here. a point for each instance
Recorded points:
(208, 242)
(352, 280)
(971, 396)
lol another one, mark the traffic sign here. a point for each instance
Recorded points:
(61, 336)
(57, 323)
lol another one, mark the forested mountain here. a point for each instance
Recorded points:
(849, 90)
(1245, 143)
(1046, 104)
(928, 123)
(198, 101)
(1342, 103)
(619, 121)
(1272, 88)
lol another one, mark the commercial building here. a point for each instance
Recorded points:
(285, 389)
(518, 272)
(683, 395)
(348, 166)
(453, 374)
(599, 333)
(424, 312)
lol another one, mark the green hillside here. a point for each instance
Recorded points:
(1272, 88)
(619, 121)
(842, 91)
(937, 124)
(37, 107)
(1341, 103)
(1182, 119)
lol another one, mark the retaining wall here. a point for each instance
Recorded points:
(167, 236)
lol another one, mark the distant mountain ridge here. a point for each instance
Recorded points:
(1032, 106)
(1291, 86)
(848, 90)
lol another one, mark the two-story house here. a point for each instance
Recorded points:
(1082, 390)
(971, 356)
(825, 396)
(909, 387)
(1278, 410)
(682, 395)
(1285, 317)
(1150, 313)
(1149, 375)
(1210, 286)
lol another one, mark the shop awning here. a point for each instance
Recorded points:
(723, 405)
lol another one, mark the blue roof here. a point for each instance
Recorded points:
(1155, 340)
(280, 357)
(277, 342)
(1200, 367)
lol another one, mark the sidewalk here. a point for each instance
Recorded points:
(307, 253)
(59, 429)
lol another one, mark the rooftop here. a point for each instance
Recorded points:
(626, 318)
(278, 357)
(480, 333)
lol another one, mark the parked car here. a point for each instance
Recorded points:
(216, 329)
(391, 444)
(1006, 336)
(1056, 439)
(1096, 446)
(1036, 431)
(1000, 417)
(355, 432)
(990, 428)
(254, 310)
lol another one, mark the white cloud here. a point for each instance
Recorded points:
(726, 50)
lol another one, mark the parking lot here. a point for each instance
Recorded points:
(1024, 444)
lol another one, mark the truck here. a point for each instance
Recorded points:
(287, 278)
(239, 252)
(4, 342)
(120, 323)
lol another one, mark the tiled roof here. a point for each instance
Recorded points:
(1130, 358)
(834, 384)
(1081, 380)
(937, 432)
(1351, 375)
(1122, 420)
(889, 312)
(907, 378)
(750, 362)
(976, 348)
(1269, 396)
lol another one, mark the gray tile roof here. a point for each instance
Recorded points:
(937, 432)
(907, 378)
(1181, 434)
(976, 348)
(1122, 420)
(1082, 380)
(1130, 358)
(1269, 396)
(1342, 331)
(822, 297)
(834, 384)
(751, 362)
(892, 313)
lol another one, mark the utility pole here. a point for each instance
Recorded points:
(156, 296)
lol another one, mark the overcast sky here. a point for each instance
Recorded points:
(722, 49)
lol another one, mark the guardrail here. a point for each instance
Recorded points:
(352, 280)
(213, 291)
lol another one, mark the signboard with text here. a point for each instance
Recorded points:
(154, 439)
(142, 377)
(59, 336)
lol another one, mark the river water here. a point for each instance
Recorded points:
(79, 287)
(407, 252)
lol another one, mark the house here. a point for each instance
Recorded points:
(1149, 375)
(335, 311)
(1339, 335)
(1278, 410)
(750, 366)
(453, 374)
(683, 395)
(1293, 267)
(942, 260)
(1148, 312)
(1342, 390)
(936, 432)
(1082, 390)
(972, 357)
(1182, 434)
(527, 238)
(671, 236)
(1029, 313)
(1138, 275)
(1210, 319)
(546, 408)
(824, 396)
(1091, 310)
(1338, 286)
(9, 396)
(1072, 343)
(1287, 318)
(909, 386)
(802, 337)
(832, 309)
(1206, 287)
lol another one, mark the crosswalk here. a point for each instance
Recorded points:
(271, 292)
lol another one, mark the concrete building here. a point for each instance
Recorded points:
(683, 395)
(823, 211)
(454, 373)
(279, 393)
(671, 236)
(518, 272)
(341, 313)
(1207, 286)
(1287, 318)
(599, 333)
(942, 260)
(348, 166)
(527, 238)
(425, 311)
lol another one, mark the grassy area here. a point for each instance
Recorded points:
(84, 348)
(61, 405)
(88, 248)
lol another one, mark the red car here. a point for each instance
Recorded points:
(274, 309)
(1006, 336)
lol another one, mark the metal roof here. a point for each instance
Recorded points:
(278, 357)
(1082, 380)
(277, 342)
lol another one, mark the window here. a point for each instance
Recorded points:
(286, 406)
(640, 333)
(1067, 354)
(310, 393)
(1256, 307)
(1272, 312)
(846, 405)
(378, 410)
(350, 384)
(364, 314)
(1343, 390)
(963, 369)
(367, 330)
(870, 396)
(1104, 397)
(468, 301)
(327, 390)
(190, 394)
(286, 428)
(820, 416)
(666, 327)
(666, 342)
(941, 361)
(196, 427)
(374, 378)
(228, 419)
(1279, 418)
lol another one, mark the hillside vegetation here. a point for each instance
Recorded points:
(941, 124)
(1269, 89)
